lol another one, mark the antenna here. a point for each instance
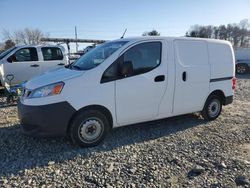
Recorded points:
(124, 33)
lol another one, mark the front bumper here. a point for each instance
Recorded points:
(45, 120)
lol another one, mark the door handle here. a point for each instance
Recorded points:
(184, 76)
(34, 65)
(159, 78)
(60, 64)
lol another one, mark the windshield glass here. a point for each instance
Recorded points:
(6, 52)
(96, 56)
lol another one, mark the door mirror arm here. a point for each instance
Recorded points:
(11, 59)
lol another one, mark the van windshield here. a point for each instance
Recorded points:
(6, 52)
(96, 56)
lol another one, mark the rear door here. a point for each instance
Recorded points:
(23, 65)
(192, 75)
(52, 58)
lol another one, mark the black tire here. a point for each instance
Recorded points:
(89, 128)
(9, 99)
(2, 91)
(212, 108)
(241, 68)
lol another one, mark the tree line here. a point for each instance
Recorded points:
(237, 34)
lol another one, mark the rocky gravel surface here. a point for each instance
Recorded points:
(186, 151)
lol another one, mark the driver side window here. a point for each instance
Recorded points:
(144, 57)
(24, 54)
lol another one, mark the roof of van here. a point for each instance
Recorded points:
(173, 38)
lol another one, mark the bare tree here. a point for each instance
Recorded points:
(6, 34)
(205, 32)
(26, 36)
(151, 33)
(8, 44)
(244, 26)
(222, 32)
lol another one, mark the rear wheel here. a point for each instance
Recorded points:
(212, 108)
(89, 128)
(241, 68)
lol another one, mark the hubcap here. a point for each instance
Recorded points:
(90, 129)
(241, 69)
(214, 108)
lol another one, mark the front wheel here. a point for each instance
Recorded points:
(212, 108)
(89, 128)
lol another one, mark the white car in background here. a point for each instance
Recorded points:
(24, 62)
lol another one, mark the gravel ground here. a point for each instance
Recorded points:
(175, 152)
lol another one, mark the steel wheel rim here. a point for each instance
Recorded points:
(214, 108)
(241, 69)
(90, 130)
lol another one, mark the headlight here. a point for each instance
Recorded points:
(45, 91)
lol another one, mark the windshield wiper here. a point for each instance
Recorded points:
(77, 67)
(70, 66)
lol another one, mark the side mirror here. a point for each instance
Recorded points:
(126, 68)
(12, 59)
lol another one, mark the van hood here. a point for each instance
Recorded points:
(53, 76)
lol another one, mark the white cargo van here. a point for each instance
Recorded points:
(27, 61)
(128, 81)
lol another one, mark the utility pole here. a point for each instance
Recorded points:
(76, 39)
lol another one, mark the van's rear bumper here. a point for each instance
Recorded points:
(45, 120)
(228, 100)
